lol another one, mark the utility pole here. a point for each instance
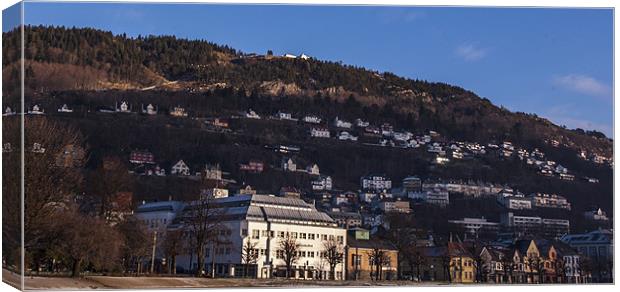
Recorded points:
(153, 255)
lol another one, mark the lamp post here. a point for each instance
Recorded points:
(153, 254)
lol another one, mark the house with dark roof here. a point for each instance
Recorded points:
(369, 258)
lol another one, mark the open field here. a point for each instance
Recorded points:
(108, 282)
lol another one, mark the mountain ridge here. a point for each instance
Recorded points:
(86, 59)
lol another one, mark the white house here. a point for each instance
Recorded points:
(596, 215)
(65, 109)
(180, 168)
(284, 116)
(36, 110)
(178, 111)
(124, 108)
(288, 164)
(289, 56)
(344, 135)
(250, 114)
(313, 169)
(149, 110)
(342, 123)
(264, 221)
(8, 111)
(312, 119)
(320, 132)
(361, 123)
(323, 183)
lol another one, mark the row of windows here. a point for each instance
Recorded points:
(218, 251)
(154, 223)
(301, 254)
(257, 234)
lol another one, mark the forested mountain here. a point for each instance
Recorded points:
(84, 59)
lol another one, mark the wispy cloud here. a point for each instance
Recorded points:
(401, 15)
(582, 84)
(471, 52)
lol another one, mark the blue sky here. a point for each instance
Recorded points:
(557, 63)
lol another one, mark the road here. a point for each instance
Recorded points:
(109, 282)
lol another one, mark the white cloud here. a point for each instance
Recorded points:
(471, 52)
(402, 15)
(582, 84)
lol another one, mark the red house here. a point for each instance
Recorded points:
(142, 157)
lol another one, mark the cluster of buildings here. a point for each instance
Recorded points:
(263, 222)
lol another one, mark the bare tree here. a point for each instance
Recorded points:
(104, 183)
(249, 255)
(86, 241)
(401, 235)
(415, 259)
(289, 247)
(173, 246)
(378, 259)
(203, 224)
(136, 244)
(47, 185)
(332, 253)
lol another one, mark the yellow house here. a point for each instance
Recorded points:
(462, 264)
(369, 259)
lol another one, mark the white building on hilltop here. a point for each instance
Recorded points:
(65, 109)
(36, 110)
(342, 123)
(319, 133)
(149, 110)
(123, 108)
(178, 111)
(323, 183)
(180, 168)
(264, 221)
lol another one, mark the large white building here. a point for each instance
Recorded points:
(549, 201)
(511, 200)
(264, 220)
(475, 225)
(376, 182)
(157, 216)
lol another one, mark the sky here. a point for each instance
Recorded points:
(556, 63)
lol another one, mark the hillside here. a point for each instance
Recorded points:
(84, 59)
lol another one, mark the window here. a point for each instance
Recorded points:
(227, 250)
(244, 232)
(324, 236)
(280, 254)
(294, 234)
(311, 236)
(340, 239)
(302, 235)
(262, 251)
(255, 234)
(310, 254)
(281, 234)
